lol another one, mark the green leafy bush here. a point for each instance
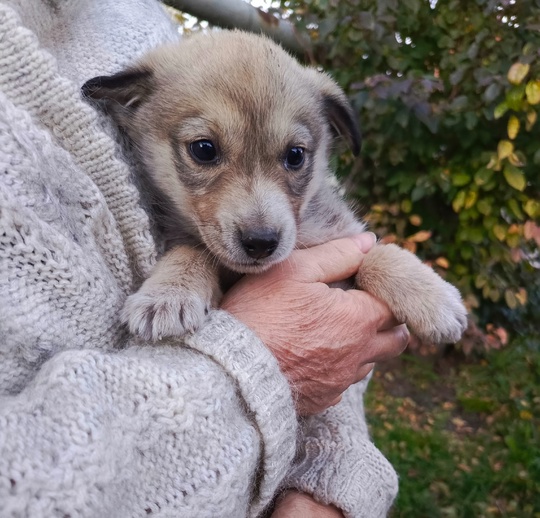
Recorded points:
(448, 93)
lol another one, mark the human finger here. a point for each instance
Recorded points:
(369, 308)
(388, 344)
(333, 261)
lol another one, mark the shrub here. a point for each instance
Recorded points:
(448, 95)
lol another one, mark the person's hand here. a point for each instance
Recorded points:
(299, 505)
(324, 338)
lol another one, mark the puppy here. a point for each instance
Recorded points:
(235, 137)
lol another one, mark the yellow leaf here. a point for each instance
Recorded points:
(513, 127)
(512, 240)
(500, 232)
(531, 119)
(514, 160)
(470, 199)
(458, 202)
(510, 299)
(504, 149)
(514, 177)
(518, 72)
(420, 237)
(406, 206)
(494, 295)
(525, 415)
(521, 296)
(532, 91)
(532, 208)
(442, 262)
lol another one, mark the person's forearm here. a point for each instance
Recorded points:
(265, 391)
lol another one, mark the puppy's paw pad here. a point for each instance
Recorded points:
(164, 311)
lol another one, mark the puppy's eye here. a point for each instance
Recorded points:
(203, 151)
(294, 158)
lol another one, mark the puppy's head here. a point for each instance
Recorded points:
(236, 134)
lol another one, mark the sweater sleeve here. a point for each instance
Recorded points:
(338, 464)
(164, 431)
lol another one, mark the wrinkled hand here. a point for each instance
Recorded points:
(325, 339)
(299, 505)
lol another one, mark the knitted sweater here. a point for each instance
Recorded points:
(93, 423)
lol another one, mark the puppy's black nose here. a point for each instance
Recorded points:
(260, 243)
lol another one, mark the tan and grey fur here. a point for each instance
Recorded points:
(254, 103)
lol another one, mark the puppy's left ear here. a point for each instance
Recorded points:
(340, 114)
(122, 93)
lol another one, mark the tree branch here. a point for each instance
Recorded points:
(237, 14)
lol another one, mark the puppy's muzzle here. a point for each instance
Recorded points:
(259, 244)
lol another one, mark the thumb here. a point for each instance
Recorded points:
(333, 261)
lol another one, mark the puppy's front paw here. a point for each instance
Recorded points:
(161, 310)
(430, 306)
(441, 317)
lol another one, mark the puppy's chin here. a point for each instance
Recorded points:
(253, 267)
(241, 263)
(247, 265)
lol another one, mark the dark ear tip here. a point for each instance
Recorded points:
(356, 144)
(342, 120)
(91, 86)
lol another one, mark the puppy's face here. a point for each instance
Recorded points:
(235, 134)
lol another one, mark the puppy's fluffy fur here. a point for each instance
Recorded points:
(235, 137)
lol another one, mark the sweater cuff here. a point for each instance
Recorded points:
(338, 464)
(264, 389)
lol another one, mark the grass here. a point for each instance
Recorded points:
(463, 436)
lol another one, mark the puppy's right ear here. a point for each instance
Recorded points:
(122, 93)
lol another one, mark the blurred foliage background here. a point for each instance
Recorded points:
(447, 93)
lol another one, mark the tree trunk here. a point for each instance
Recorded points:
(237, 14)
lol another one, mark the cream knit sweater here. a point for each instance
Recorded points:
(93, 424)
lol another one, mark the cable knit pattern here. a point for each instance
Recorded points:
(93, 423)
(337, 441)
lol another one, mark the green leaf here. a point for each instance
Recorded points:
(514, 177)
(460, 179)
(484, 207)
(483, 176)
(413, 5)
(515, 208)
(515, 97)
(500, 110)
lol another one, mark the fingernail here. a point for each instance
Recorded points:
(365, 241)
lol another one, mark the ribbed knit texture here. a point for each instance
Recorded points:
(337, 442)
(92, 422)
